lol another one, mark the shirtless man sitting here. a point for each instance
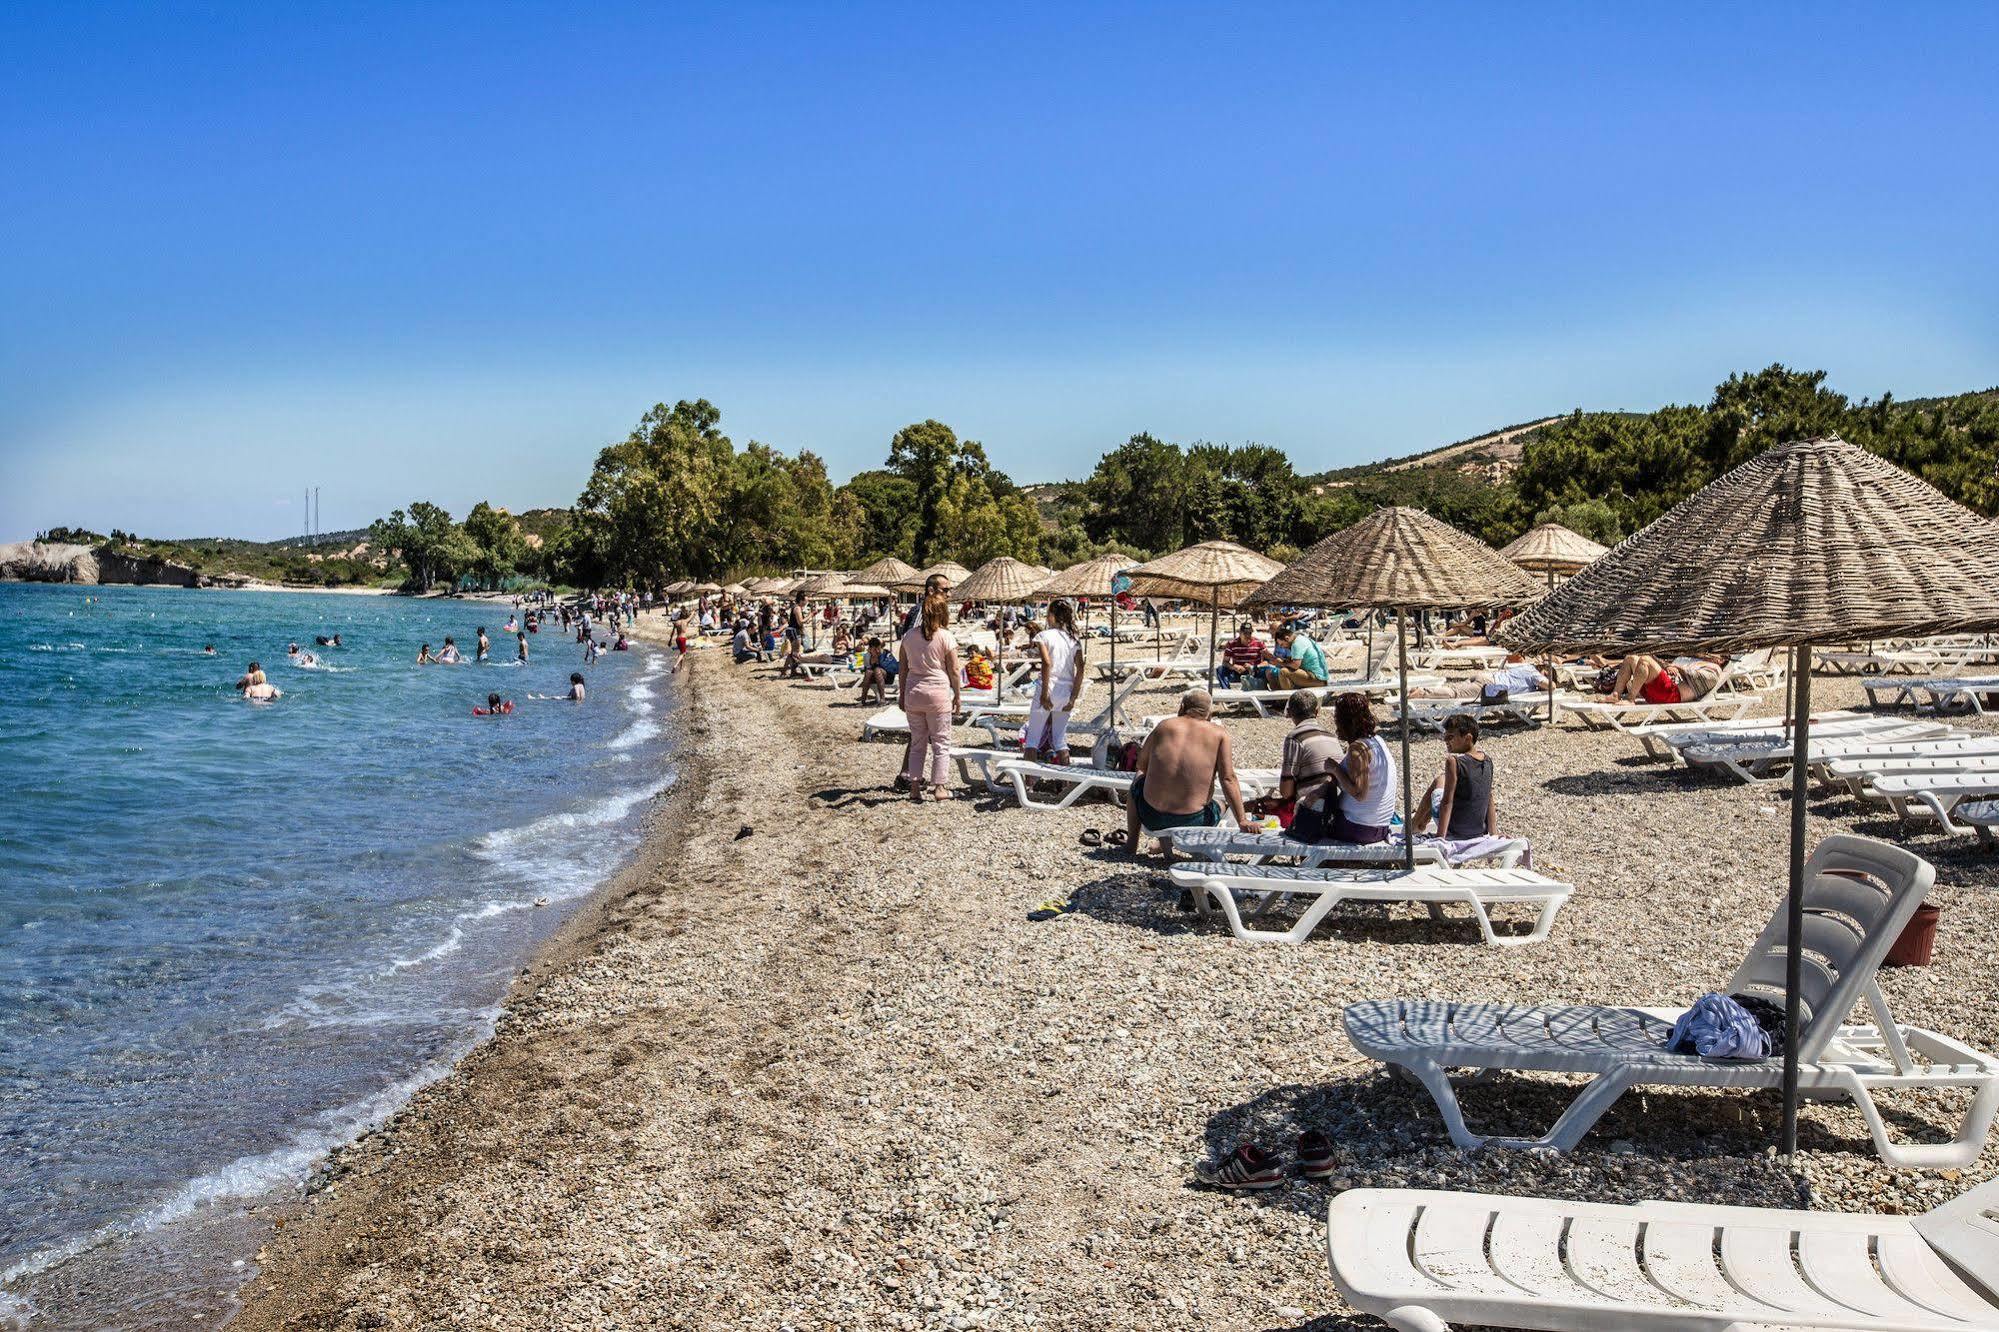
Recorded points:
(1178, 767)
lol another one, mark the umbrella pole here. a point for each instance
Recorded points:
(1551, 663)
(1408, 808)
(1214, 624)
(1794, 914)
(1114, 679)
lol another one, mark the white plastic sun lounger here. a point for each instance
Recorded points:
(1981, 816)
(1936, 794)
(1973, 693)
(1471, 658)
(1218, 844)
(1767, 759)
(1077, 780)
(1420, 1259)
(1859, 893)
(1216, 885)
(1005, 731)
(1266, 702)
(1667, 739)
(1430, 714)
(1601, 713)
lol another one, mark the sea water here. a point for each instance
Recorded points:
(234, 935)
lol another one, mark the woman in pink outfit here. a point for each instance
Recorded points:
(928, 684)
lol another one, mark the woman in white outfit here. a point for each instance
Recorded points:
(1061, 654)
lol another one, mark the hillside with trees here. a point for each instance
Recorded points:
(677, 498)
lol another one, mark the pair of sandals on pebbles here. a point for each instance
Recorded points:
(1093, 838)
(1249, 1167)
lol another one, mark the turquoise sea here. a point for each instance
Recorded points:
(234, 935)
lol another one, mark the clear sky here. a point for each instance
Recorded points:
(436, 251)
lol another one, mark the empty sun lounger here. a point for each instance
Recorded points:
(1768, 758)
(1216, 885)
(1935, 794)
(1859, 893)
(1265, 702)
(1421, 1259)
(1668, 739)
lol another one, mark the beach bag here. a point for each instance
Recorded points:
(1308, 822)
(1124, 757)
(1492, 694)
(1606, 681)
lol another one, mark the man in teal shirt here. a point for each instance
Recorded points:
(1306, 668)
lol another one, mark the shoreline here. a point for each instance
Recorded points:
(829, 1075)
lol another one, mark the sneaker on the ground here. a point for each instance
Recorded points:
(1315, 1155)
(902, 781)
(1247, 1167)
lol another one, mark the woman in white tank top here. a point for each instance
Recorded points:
(1366, 776)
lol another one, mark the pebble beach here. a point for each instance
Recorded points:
(807, 1064)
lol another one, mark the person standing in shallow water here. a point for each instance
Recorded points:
(523, 647)
(485, 645)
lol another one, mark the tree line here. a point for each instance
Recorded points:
(676, 498)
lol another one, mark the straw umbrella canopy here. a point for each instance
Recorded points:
(862, 589)
(888, 572)
(680, 587)
(1002, 579)
(1817, 541)
(951, 569)
(1399, 559)
(1553, 549)
(1100, 577)
(1220, 573)
(706, 589)
(824, 587)
(736, 589)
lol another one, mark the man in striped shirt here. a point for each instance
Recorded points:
(1243, 659)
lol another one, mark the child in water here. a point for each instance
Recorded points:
(494, 707)
(423, 657)
(523, 641)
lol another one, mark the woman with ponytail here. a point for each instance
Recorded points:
(1061, 656)
(929, 688)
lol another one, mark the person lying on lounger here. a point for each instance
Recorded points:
(1642, 678)
(1518, 676)
(1178, 766)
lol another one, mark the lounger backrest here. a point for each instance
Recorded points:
(1966, 1232)
(1859, 893)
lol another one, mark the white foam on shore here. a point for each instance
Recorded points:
(253, 1175)
(502, 844)
(452, 943)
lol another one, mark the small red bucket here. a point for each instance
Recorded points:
(1918, 941)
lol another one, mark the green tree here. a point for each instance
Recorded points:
(1137, 497)
(498, 544)
(656, 500)
(431, 547)
(880, 508)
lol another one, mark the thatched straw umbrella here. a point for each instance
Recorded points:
(1100, 577)
(1220, 573)
(1813, 542)
(737, 589)
(706, 589)
(951, 569)
(888, 572)
(680, 587)
(1400, 559)
(1553, 549)
(1003, 580)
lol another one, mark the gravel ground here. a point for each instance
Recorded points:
(829, 1075)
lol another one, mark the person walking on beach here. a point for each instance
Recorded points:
(935, 585)
(929, 694)
(1061, 655)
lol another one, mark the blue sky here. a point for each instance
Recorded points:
(450, 251)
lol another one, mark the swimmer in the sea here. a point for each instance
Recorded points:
(300, 658)
(485, 644)
(523, 641)
(253, 676)
(324, 641)
(575, 694)
(255, 687)
(449, 656)
(423, 657)
(208, 651)
(495, 707)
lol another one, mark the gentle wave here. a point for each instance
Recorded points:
(250, 1176)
